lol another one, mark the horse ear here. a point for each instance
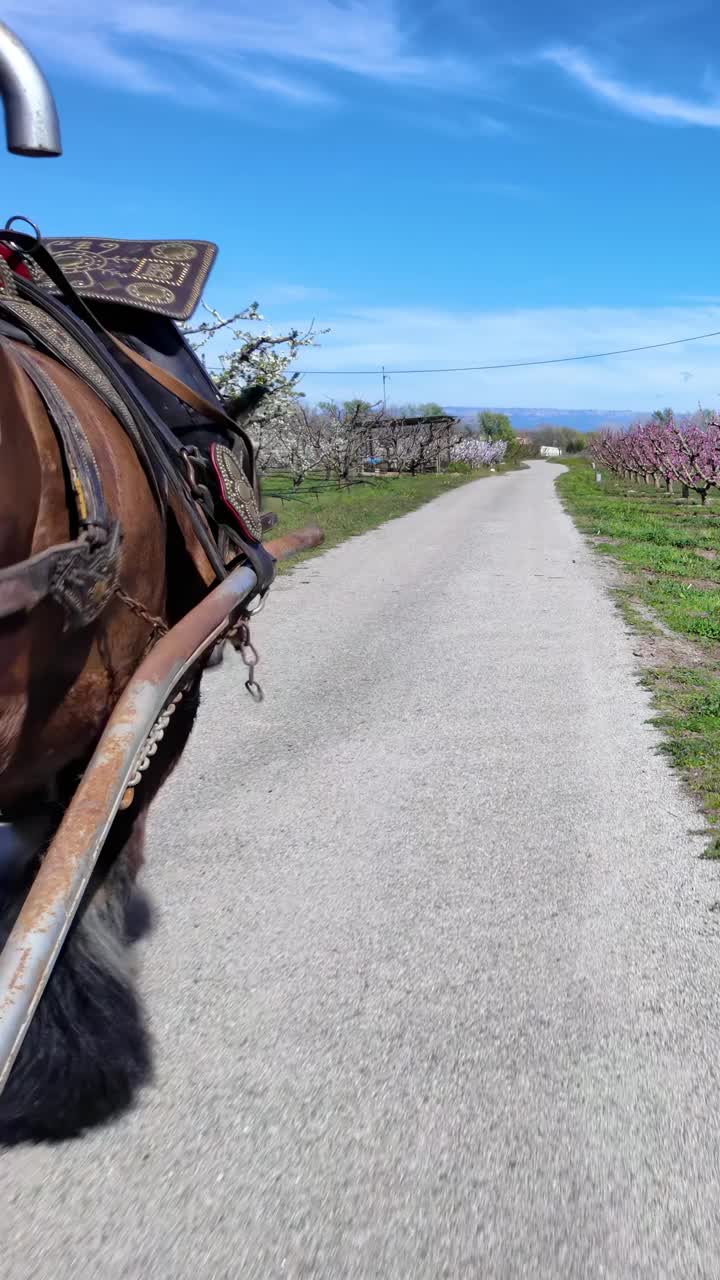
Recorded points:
(243, 404)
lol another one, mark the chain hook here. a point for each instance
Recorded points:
(200, 492)
(249, 655)
(256, 605)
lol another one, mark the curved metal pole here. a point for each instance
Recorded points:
(34, 944)
(31, 122)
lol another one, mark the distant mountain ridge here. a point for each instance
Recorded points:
(580, 419)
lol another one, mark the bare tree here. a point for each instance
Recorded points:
(340, 435)
(415, 443)
(292, 444)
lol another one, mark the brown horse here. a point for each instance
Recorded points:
(87, 1051)
(127, 487)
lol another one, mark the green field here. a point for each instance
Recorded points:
(343, 512)
(670, 550)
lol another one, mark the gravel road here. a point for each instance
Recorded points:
(435, 977)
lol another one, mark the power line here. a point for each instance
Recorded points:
(381, 371)
(517, 364)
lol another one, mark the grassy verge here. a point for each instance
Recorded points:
(344, 512)
(670, 595)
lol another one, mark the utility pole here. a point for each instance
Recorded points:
(384, 380)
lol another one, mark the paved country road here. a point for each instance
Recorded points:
(435, 979)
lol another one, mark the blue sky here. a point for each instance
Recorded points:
(440, 183)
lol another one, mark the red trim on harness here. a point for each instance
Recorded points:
(247, 533)
(11, 256)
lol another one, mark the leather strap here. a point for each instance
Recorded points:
(85, 480)
(165, 450)
(24, 585)
(259, 559)
(37, 251)
(177, 388)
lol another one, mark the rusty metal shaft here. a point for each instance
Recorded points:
(290, 544)
(42, 925)
(34, 945)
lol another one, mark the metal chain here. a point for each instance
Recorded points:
(158, 626)
(239, 636)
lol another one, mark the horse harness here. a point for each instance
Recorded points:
(216, 484)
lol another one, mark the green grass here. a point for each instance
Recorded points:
(670, 549)
(670, 544)
(687, 703)
(345, 512)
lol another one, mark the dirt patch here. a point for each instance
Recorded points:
(658, 646)
(700, 584)
(682, 510)
(705, 553)
(697, 779)
(667, 651)
(663, 648)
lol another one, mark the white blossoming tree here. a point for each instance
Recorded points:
(258, 358)
(480, 453)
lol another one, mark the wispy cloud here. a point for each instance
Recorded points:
(504, 190)
(644, 103)
(150, 47)
(94, 59)
(464, 126)
(276, 83)
(611, 26)
(284, 294)
(429, 338)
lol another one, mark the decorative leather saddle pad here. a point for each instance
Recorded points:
(235, 491)
(166, 276)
